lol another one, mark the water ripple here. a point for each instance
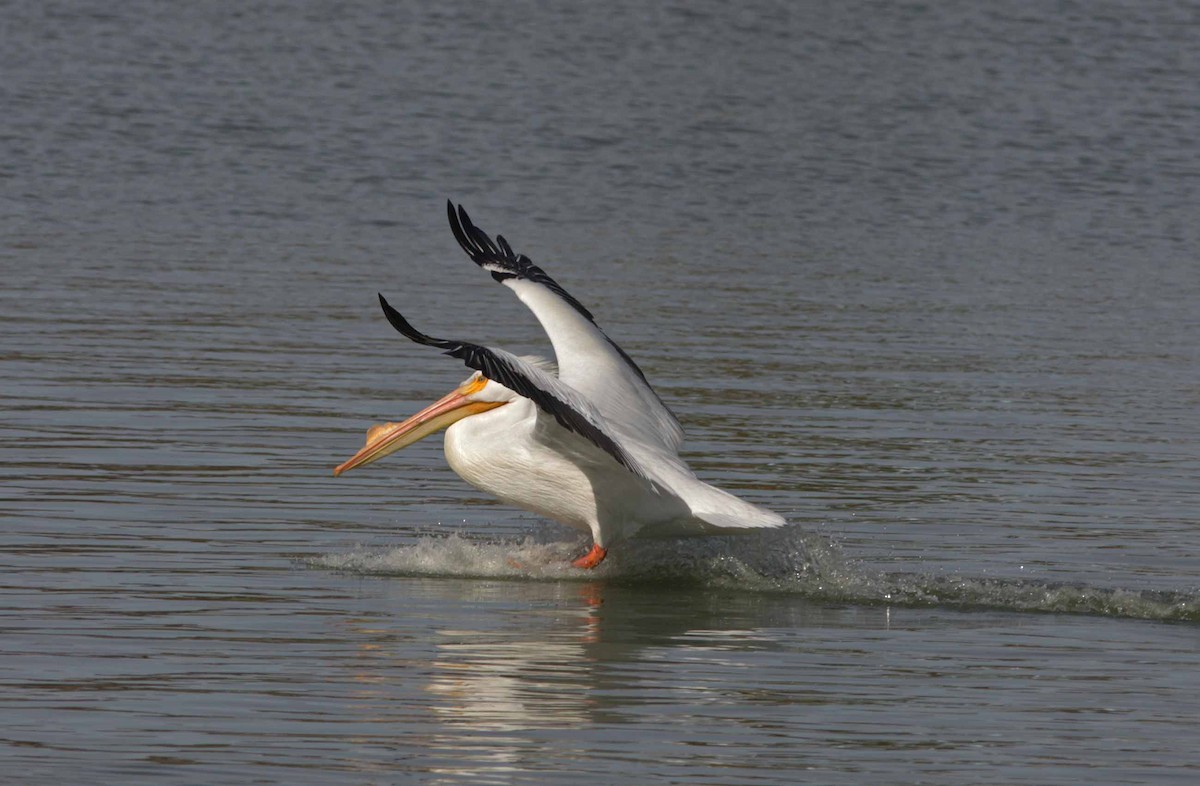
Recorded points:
(788, 561)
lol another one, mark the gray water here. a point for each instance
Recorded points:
(921, 278)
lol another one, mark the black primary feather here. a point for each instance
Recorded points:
(497, 367)
(500, 260)
(503, 264)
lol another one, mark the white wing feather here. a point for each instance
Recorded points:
(590, 363)
(599, 388)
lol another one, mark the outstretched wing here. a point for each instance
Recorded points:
(572, 411)
(588, 360)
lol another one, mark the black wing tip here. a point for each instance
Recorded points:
(473, 240)
(500, 259)
(459, 218)
(457, 213)
(397, 320)
(460, 233)
(463, 218)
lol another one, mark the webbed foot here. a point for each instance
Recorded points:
(592, 558)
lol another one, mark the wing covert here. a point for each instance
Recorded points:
(588, 360)
(565, 405)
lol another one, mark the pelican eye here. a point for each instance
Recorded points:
(473, 385)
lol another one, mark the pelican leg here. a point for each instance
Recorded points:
(592, 558)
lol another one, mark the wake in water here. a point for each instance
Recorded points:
(787, 560)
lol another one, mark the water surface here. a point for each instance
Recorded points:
(921, 279)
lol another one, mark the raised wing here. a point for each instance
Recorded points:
(588, 360)
(572, 411)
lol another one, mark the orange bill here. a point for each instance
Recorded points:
(386, 438)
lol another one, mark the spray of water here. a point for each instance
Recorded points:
(789, 561)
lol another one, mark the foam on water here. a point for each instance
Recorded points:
(781, 561)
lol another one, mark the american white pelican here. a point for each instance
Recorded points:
(591, 446)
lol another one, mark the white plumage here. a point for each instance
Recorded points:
(592, 447)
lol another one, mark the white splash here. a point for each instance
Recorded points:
(787, 560)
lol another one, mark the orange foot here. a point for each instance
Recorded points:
(592, 558)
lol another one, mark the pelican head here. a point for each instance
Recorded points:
(476, 394)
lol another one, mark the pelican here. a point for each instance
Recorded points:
(586, 442)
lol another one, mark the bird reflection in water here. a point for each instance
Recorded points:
(489, 687)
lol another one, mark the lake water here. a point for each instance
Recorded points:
(921, 278)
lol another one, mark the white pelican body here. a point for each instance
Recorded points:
(593, 447)
(503, 453)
